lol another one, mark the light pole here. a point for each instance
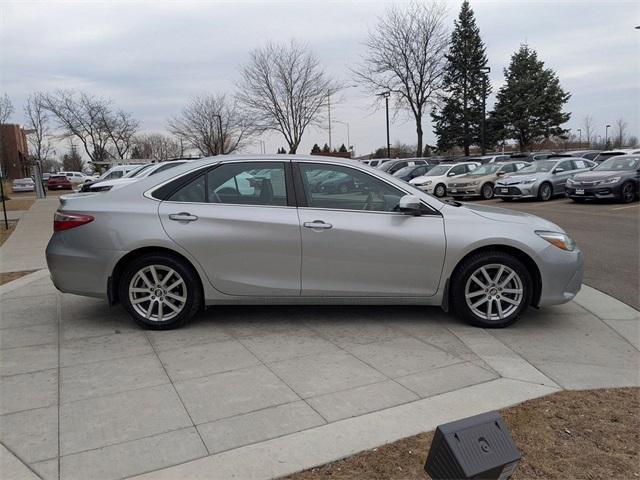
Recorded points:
(606, 135)
(484, 109)
(386, 96)
(580, 138)
(221, 139)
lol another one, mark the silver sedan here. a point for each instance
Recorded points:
(253, 230)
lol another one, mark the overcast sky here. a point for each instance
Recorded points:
(151, 57)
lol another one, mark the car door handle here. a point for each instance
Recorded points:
(183, 217)
(319, 224)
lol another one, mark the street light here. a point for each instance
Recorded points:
(484, 109)
(221, 140)
(580, 138)
(606, 135)
(348, 135)
(329, 92)
(386, 96)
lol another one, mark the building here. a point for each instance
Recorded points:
(14, 153)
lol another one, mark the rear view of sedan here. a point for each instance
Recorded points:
(59, 182)
(617, 178)
(251, 230)
(23, 185)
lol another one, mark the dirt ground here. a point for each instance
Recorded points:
(10, 276)
(592, 434)
(19, 203)
(4, 233)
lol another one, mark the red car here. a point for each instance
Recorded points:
(59, 182)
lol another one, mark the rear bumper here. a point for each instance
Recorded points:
(80, 271)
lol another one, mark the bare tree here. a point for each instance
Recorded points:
(37, 123)
(120, 128)
(620, 138)
(589, 129)
(406, 56)
(156, 147)
(285, 90)
(213, 125)
(6, 108)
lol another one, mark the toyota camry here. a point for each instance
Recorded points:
(251, 230)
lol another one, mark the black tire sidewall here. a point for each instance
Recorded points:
(484, 197)
(440, 186)
(470, 265)
(540, 196)
(633, 197)
(189, 275)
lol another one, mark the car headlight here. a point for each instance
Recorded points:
(423, 184)
(609, 181)
(104, 188)
(570, 181)
(528, 181)
(558, 239)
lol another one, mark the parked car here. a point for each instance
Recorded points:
(45, 178)
(76, 178)
(435, 180)
(602, 156)
(588, 154)
(23, 185)
(392, 166)
(481, 181)
(59, 182)
(489, 158)
(617, 178)
(412, 171)
(541, 180)
(118, 171)
(374, 162)
(168, 245)
(143, 171)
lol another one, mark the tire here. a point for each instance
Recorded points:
(499, 266)
(440, 190)
(486, 191)
(158, 268)
(627, 192)
(545, 192)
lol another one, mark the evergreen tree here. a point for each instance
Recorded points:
(529, 104)
(343, 148)
(315, 149)
(459, 121)
(326, 149)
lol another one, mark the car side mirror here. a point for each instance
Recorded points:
(558, 170)
(410, 205)
(501, 173)
(451, 174)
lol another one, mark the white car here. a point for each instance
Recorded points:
(76, 178)
(142, 171)
(23, 185)
(435, 180)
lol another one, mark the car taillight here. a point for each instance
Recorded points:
(65, 221)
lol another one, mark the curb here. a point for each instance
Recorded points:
(23, 281)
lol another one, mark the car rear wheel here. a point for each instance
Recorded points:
(627, 193)
(545, 192)
(491, 290)
(160, 291)
(487, 191)
(440, 190)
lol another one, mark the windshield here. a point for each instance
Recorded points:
(486, 169)
(539, 166)
(438, 170)
(406, 170)
(136, 172)
(617, 164)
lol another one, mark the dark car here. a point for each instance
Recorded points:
(341, 183)
(59, 182)
(588, 154)
(392, 166)
(617, 178)
(412, 171)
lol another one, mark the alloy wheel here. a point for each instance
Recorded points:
(440, 191)
(494, 292)
(487, 192)
(627, 193)
(545, 192)
(157, 293)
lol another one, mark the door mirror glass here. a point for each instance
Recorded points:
(410, 205)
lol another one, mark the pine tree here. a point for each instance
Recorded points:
(326, 149)
(315, 149)
(459, 121)
(529, 104)
(343, 148)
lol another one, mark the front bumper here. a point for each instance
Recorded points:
(516, 191)
(594, 192)
(425, 188)
(561, 273)
(467, 191)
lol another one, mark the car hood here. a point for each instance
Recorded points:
(599, 175)
(518, 177)
(473, 178)
(511, 216)
(424, 178)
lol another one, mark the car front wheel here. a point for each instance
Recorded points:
(627, 193)
(160, 291)
(545, 192)
(487, 191)
(491, 290)
(440, 190)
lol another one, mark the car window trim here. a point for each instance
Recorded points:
(302, 200)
